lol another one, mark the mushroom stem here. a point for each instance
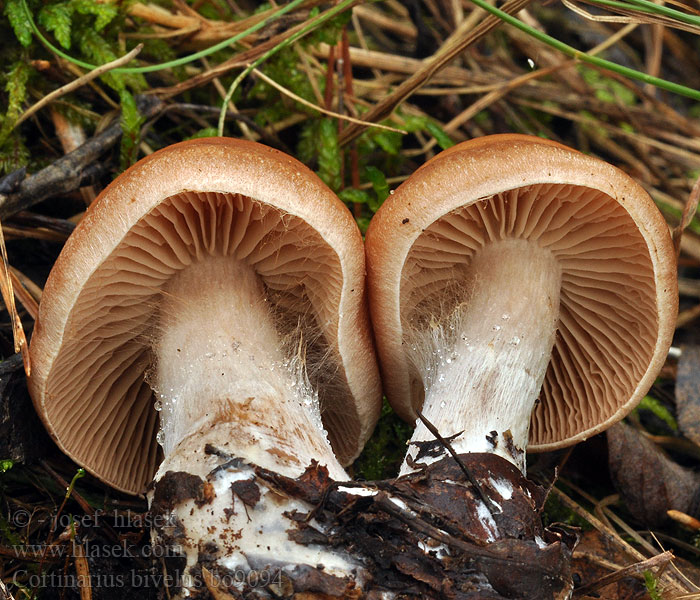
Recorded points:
(219, 359)
(232, 401)
(483, 365)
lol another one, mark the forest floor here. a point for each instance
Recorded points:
(433, 73)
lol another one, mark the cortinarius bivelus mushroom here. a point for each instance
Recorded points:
(212, 300)
(518, 290)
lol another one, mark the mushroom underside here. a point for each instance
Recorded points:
(607, 318)
(97, 385)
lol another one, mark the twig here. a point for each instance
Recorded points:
(231, 106)
(485, 101)
(660, 560)
(236, 61)
(439, 60)
(266, 134)
(613, 39)
(690, 159)
(511, 85)
(482, 553)
(638, 11)
(27, 553)
(393, 63)
(8, 295)
(82, 569)
(593, 60)
(350, 92)
(613, 537)
(687, 316)
(4, 592)
(403, 30)
(76, 83)
(72, 136)
(609, 534)
(689, 210)
(320, 109)
(611, 516)
(308, 70)
(684, 519)
(10, 182)
(25, 297)
(61, 227)
(74, 170)
(259, 24)
(311, 25)
(384, 501)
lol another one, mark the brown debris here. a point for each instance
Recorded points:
(588, 569)
(425, 535)
(688, 392)
(178, 486)
(247, 491)
(648, 480)
(443, 494)
(310, 580)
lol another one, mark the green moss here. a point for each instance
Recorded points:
(655, 407)
(651, 584)
(385, 451)
(555, 511)
(607, 89)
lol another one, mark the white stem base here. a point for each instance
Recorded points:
(483, 366)
(235, 536)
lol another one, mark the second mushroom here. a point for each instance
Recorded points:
(523, 295)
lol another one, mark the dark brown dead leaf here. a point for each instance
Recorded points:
(688, 393)
(247, 490)
(426, 535)
(178, 486)
(523, 578)
(308, 579)
(648, 480)
(456, 505)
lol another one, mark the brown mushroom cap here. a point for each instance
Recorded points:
(618, 300)
(216, 196)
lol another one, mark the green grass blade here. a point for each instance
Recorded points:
(170, 64)
(583, 57)
(650, 8)
(311, 26)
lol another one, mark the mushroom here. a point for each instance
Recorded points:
(522, 294)
(211, 301)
